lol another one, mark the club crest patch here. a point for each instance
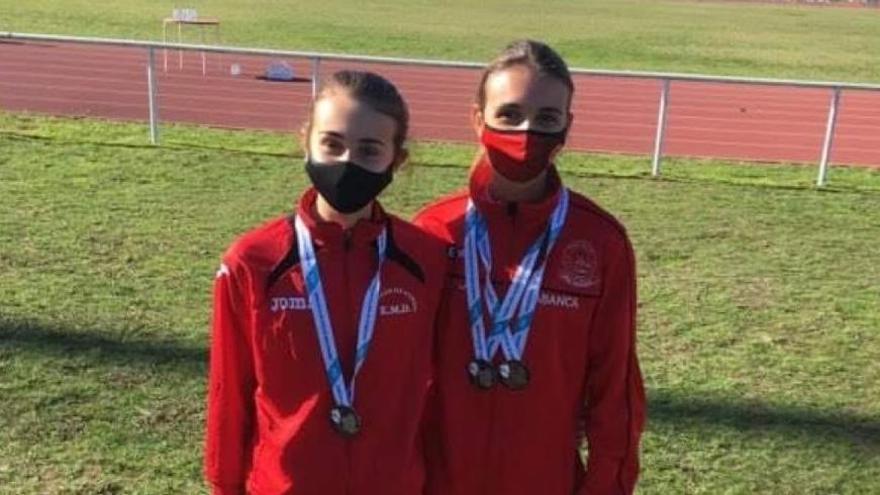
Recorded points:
(578, 265)
(396, 301)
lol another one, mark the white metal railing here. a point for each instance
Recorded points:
(666, 79)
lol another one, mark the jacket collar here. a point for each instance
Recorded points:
(537, 211)
(324, 233)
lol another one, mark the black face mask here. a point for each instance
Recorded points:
(346, 186)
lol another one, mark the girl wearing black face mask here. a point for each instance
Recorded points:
(536, 343)
(335, 294)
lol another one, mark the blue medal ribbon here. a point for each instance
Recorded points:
(517, 309)
(343, 394)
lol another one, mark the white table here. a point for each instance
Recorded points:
(202, 23)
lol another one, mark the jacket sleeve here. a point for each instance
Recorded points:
(432, 226)
(431, 432)
(231, 384)
(615, 398)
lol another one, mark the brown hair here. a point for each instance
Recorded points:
(371, 89)
(534, 54)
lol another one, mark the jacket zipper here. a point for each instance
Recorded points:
(346, 251)
(493, 459)
(512, 212)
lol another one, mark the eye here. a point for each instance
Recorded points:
(370, 151)
(332, 146)
(509, 116)
(548, 120)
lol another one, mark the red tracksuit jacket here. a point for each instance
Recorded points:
(581, 354)
(268, 430)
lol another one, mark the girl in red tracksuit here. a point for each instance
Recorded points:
(536, 340)
(335, 294)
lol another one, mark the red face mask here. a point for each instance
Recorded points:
(521, 155)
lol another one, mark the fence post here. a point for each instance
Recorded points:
(151, 97)
(661, 129)
(829, 138)
(316, 77)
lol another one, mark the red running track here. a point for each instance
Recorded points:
(618, 115)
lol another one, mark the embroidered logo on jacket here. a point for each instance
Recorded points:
(578, 265)
(547, 298)
(392, 301)
(396, 301)
(558, 300)
(288, 304)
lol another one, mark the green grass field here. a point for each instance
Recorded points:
(760, 305)
(758, 317)
(672, 35)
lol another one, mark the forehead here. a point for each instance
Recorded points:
(523, 85)
(338, 112)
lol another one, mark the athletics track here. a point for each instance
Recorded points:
(617, 115)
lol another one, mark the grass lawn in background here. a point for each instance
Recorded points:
(759, 305)
(725, 38)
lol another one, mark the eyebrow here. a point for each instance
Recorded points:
(551, 110)
(339, 135)
(333, 134)
(512, 106)
(517, 106)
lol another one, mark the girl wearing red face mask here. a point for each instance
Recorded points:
(337, 292)
(536, 338)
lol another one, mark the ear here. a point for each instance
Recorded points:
(304, 140)
(568, 125)
(478, 121)
(402, 157)
(555, 153)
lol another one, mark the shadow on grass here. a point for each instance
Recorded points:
(144, 146)
(106, 346)
(832, 426)
(583, 174)
(673, 409)
(176, 145)
(731, 182)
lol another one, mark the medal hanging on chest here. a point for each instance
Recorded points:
(509, 319)
(343, 417)
(482, 374)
